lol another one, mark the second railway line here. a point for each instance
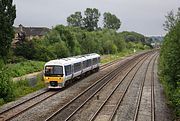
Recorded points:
(78, 113)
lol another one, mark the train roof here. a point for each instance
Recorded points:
(71, 60)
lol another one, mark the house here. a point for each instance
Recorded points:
(22, 33)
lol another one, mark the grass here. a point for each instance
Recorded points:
(23, 87)
(26, 67)
(111, 57)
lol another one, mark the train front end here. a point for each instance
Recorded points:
(54, 76)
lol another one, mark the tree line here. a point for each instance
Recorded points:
(82, 36)
(91, 19)
(63, 41)
(170, 60)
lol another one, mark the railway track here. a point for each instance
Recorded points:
(115, 90)
(152, 109)
(27, 104)
(104, 106)
(112, 62)
(23, 106)
(68, 110)
(136, 113)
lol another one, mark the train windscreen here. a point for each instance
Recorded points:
(53, 71)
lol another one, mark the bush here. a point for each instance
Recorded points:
(26, 67)
(23, 87)
(64, 41)
(6, 86)
(170, 66)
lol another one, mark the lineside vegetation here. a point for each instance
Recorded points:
(63, 41)
(169, 66)
(81, 36)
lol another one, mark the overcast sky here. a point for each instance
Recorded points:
(143, 16)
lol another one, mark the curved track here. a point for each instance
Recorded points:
(68, 110)
(18, 109)
(23, 106)
(115, 89)
(117, 93)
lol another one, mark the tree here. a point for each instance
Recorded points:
(61, 49)
(75, 20)
(171, 20)
(7, 16)
(111, 21)
(90, 21)
(170, 59)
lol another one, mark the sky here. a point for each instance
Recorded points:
(142, 16)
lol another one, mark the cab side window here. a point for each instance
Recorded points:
(95, 61)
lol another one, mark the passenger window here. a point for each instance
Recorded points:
(68, 70)
(88, 62)
(84, 64)
(77, 67)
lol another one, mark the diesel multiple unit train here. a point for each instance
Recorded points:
(58, 73)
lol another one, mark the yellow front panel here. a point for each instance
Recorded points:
(58, 79)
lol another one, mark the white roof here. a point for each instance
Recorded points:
(71, 60)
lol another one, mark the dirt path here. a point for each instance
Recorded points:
(28, 76)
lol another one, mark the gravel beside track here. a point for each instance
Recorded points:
(137, 95)
(21, 100)
(128, 109)
(74, 105)
(117, 88)
(93, 106)
(42, 110)
(162, 111)
(12, 104)
(145, 104)
(26, 105)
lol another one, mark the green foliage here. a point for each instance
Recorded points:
(90, 21)
(34, 50)
(61, 50)
(133, 37)
(26, 67)
(6, 87)
(64, 41)
(75, 20)
(91, 18)
(171, 20)
(111, 21)
(170, 67)
(22, 87)
(7, 16)
(111, 57)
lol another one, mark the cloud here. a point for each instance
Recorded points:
(144, 16)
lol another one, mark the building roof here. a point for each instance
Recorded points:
(32, 31)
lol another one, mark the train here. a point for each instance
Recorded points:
(60, 72)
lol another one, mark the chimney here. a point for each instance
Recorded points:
(21, 27)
